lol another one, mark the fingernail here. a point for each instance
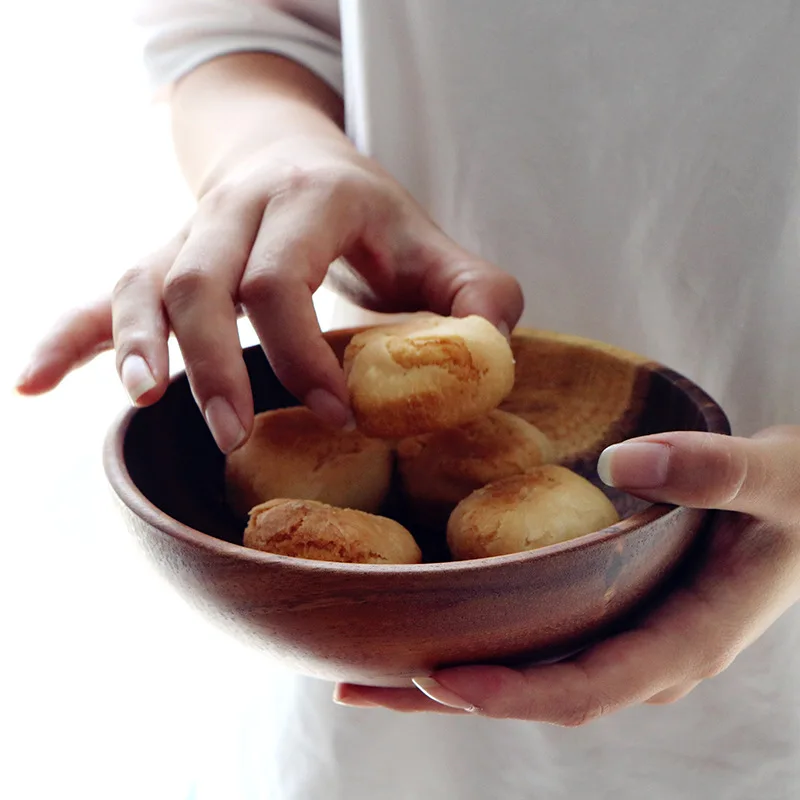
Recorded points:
(433, 689)
(350, 425)
(354, 702)
(634, 465)
(504, 329)
(329, 408)
(136, 377)
(224, 424)
(340, 697)
(24, 377)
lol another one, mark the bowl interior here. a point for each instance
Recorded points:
(583, 394)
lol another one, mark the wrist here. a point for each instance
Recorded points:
(226, 111)
(292, 150)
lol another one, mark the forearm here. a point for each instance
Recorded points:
(236, 104)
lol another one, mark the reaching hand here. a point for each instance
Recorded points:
(262, 239)
(750, 576)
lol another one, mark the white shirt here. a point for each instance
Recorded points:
(635, 164)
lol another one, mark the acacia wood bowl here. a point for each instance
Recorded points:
(382, 625)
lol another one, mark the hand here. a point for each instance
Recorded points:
(263, 237)
(749, 577)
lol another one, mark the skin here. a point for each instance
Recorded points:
(282, 194)
(750, 576)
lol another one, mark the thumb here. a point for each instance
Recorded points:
(757, 476)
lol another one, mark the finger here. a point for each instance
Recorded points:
(747, 579)
(404, 700)
(672, 695)
(616, 674)
(288, 262)
(405, 263)
(198, 296)
(629, 669)
(140, 326)
(459, 283)
(694, 635)
(483, 289)
(76, 339)
(755, 476)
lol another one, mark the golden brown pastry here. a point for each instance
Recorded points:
(426, 374)
(546, 505)
(306, 529)
(440, 469)
(292, 453)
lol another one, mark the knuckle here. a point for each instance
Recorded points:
(338, 189)
(259, 284)
(716, 663)
(511, 286)
(292, 179)
(183, 287)
(221, 196)
(212, 374)
(208, 371)
(129, 279)
(735, 475)
(346, 182)
(329, 183)
(129, 340)
(669, 697)
(663, 700)
(582, 714)
(787, 434)
(127, 343)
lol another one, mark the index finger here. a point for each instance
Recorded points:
(626, 670)
(288, 262)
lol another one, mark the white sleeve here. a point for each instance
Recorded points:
(179, 35)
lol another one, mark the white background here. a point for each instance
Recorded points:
(106, 677)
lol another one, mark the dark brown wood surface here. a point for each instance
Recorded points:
(382, 625)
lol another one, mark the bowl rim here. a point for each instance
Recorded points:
(130, 495)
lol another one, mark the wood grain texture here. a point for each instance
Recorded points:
(382, 625)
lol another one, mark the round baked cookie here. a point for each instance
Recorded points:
(543, 506)
(292, 453)
(425, 374)
(307, 529)
(438, 470)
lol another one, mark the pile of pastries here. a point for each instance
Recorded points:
(425, 396)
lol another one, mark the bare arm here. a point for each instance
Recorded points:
(237, 104)
(282, 194)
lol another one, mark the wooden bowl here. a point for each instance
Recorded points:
(382, 625)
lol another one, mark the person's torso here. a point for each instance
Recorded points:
(635, 164)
